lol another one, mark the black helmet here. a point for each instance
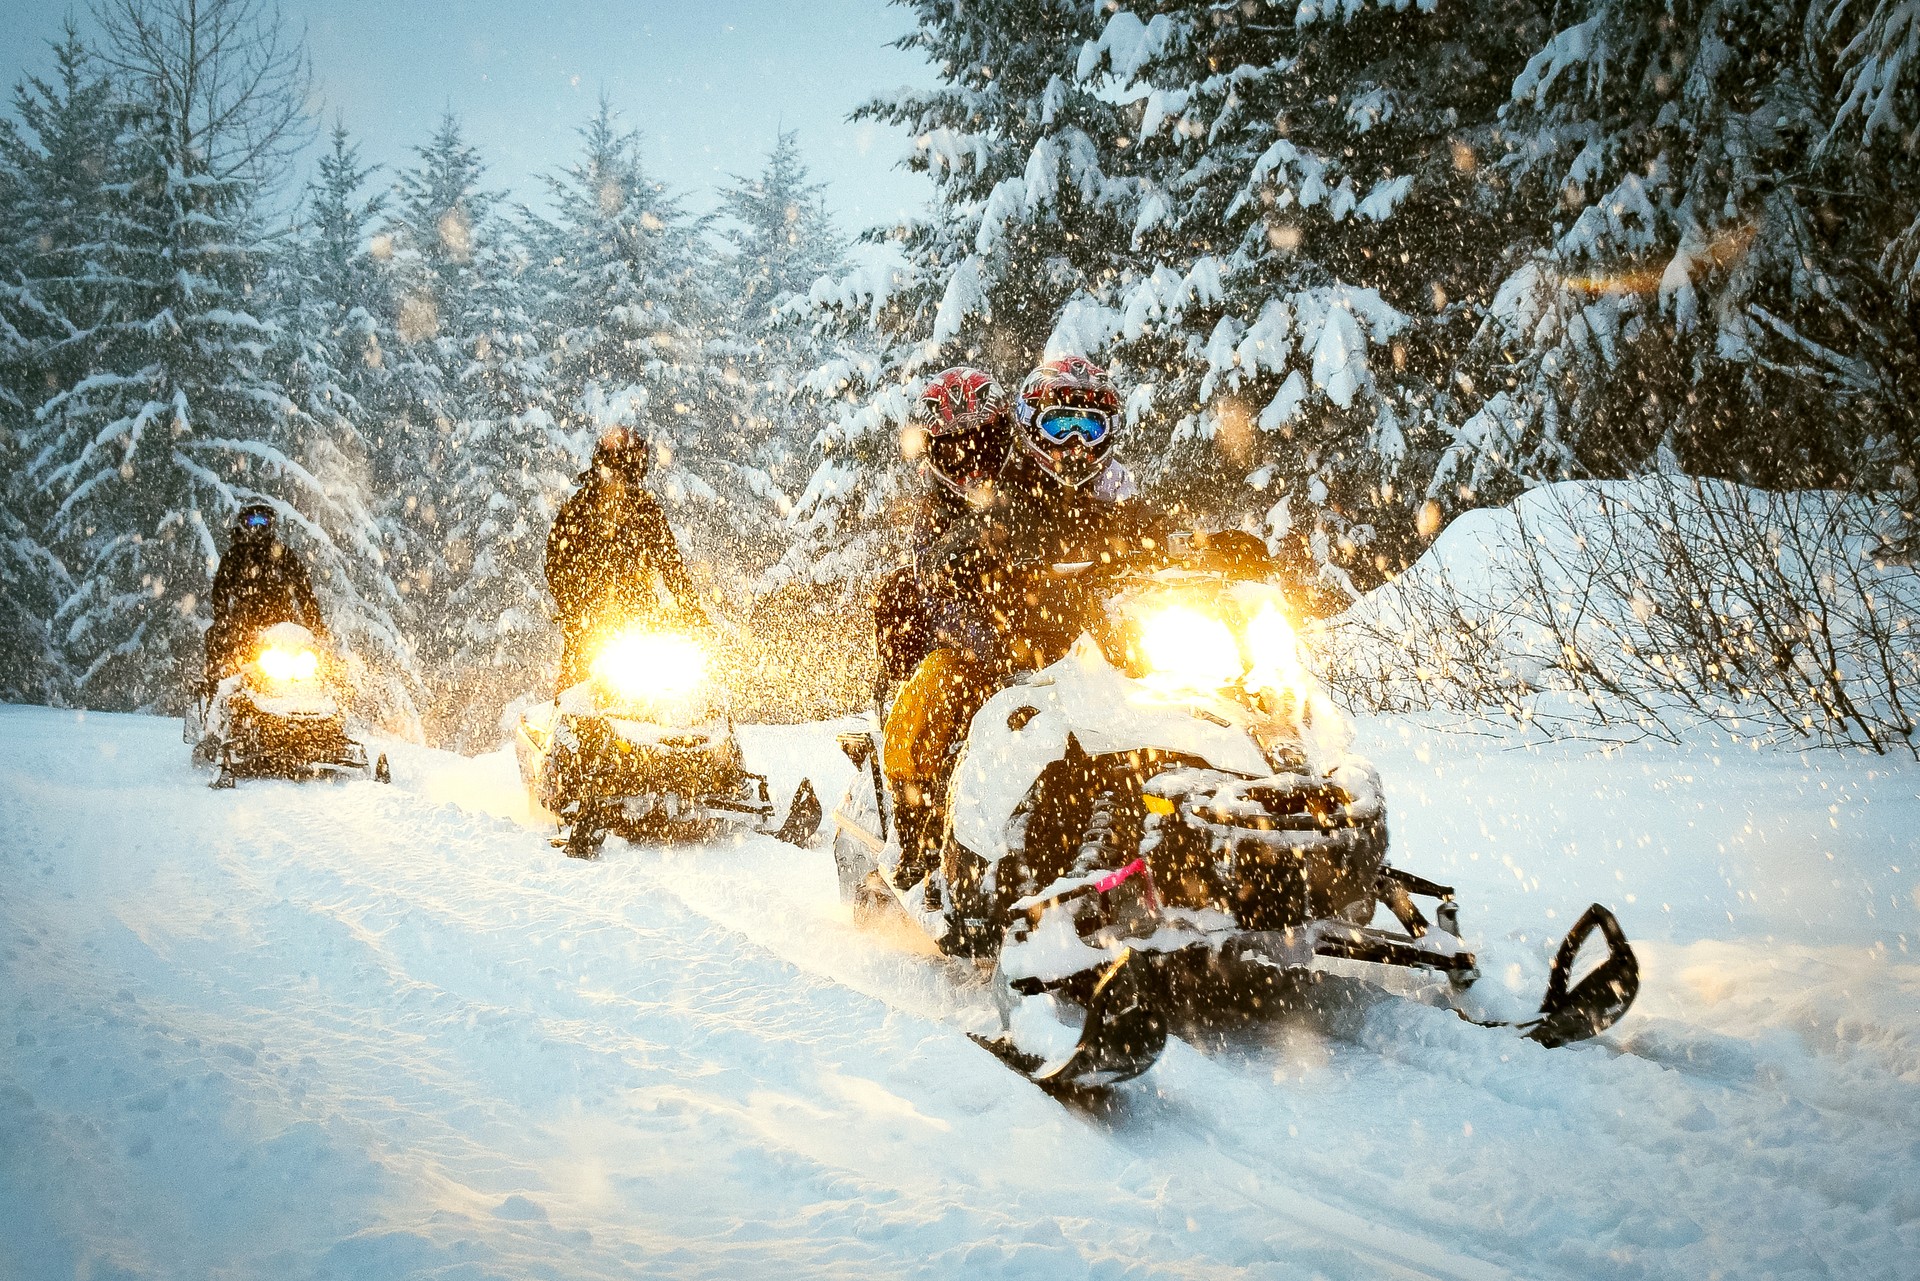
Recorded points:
(625, 452)
(255, 520)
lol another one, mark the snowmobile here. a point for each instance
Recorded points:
(645, 748)
(279, 716)
(1171, 813)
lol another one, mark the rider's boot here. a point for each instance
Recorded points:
(921, 823)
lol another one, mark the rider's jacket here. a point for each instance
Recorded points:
(977, 567)
(610, 554)
(259, 583)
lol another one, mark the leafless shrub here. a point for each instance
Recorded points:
(1650, 604)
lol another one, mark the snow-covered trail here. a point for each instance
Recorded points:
(345, 1030)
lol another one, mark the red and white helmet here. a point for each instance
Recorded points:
(964, 415)
(1068, 414)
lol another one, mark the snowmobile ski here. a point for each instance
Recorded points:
(803, 816)
(1122, 1037)
(1596, 1002)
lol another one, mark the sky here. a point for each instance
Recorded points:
(707, 82)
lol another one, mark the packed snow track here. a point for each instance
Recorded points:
(345, 1030)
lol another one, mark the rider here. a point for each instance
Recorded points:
(967, 431)
(1059, 498)
(260, 582)
(611, 552)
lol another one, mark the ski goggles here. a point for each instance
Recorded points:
(1064, 424)
(256, 520)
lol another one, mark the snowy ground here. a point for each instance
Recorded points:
(353, 1031)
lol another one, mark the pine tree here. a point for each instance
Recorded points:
(1869, 172)
(634, 310)
(1311, 234)
(53, 162)
(781, 240)
(330, 356)
(1695, 299)
(474, 458)
(1022, 243)
(174, 421)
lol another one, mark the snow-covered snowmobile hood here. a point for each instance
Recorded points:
(1106, 711)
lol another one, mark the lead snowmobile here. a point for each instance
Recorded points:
(645, 748)
(279, 716)
(1171, 813)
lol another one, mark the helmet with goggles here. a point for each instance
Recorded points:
(1068, 411)
(963, 413)
(255, 520)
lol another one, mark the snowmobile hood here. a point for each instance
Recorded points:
(1085, 696)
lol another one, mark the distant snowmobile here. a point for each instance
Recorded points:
(645, 748)
(277, 717)
(1166, 816)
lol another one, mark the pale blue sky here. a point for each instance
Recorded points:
(707, 82)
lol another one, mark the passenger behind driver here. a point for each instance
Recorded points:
(932, 632)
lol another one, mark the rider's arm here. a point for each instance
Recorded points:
(563, 560)
(220, 599)
(300, 587)
(657, 543)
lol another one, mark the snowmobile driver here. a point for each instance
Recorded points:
(1060, 497)
(260, 582)
(611, 554)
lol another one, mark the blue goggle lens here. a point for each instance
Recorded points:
(256, 520)
(1062, 426)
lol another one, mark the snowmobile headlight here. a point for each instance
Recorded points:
(289, 665)
(640, 664)
(1274, 651)
(1186, 649)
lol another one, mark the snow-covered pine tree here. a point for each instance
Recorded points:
(474, 459)
(1313, 228)
(1870, 172)
(329, 356)
(634, 313)
(779, 240)
(53, 160)
(1026, 234)
(1692, 301)
(174, 421)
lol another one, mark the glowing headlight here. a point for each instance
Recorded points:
(289, 664)
(1189, 650)
(1275, 652)
(650, 665)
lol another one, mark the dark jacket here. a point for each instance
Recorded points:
(259, 583)
(974, 568)
(608, 555)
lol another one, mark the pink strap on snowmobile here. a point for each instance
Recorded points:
(1138, 867)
